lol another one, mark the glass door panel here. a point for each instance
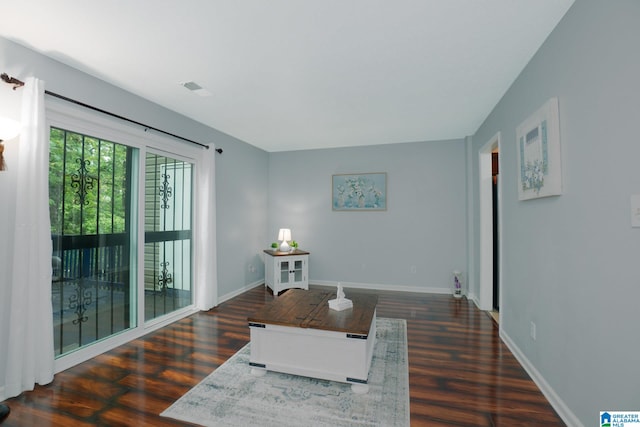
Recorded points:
(284, 272)
(168, 245)
(298, 271)
(90, 209)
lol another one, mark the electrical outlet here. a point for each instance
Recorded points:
(532, 331)
(252, 268)
(413, 269)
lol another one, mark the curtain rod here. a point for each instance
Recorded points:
(17, 83)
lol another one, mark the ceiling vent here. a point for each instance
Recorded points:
(196, 88)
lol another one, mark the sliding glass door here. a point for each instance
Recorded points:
(97, 290)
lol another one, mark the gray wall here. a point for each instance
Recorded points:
(423, 227)
(570, 263)
(241, 171)
(241, 198)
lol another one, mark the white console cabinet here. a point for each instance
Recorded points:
(286, 270)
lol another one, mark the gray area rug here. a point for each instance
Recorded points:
(231, 396)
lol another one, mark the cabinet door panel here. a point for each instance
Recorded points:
(297, 267)
(284, 272)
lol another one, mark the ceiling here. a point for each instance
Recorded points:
(300, 74)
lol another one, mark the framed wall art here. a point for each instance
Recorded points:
(539, 159)
(359, 192)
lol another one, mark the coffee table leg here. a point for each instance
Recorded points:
(359, 388)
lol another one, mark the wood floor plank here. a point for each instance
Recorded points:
(460, 372)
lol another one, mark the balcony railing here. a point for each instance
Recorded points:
(91, 294)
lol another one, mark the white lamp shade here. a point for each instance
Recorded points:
(9, 128)
(284, 234)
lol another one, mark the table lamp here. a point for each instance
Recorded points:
(284, 235)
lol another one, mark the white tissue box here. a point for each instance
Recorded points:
(339, 305)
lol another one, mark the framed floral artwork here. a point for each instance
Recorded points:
(539, 159)
(359, 192)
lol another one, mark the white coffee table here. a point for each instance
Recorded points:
(298, 334)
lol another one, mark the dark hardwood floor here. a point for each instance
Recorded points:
(460, 373)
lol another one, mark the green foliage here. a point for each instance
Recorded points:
(87, 184)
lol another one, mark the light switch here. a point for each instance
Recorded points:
(635, 210)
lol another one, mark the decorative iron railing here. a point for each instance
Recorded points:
(91, 296)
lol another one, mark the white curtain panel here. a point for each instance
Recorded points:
(206, 264)
(30, 354)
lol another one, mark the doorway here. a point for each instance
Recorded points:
(495, 169)
(490, 239)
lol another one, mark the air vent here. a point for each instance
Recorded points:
(196, 88)
(192, 85)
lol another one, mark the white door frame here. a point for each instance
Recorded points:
(485, 297)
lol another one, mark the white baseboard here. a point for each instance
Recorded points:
(381, 287)
(353, 285)
(473, 297)
(558, 404)
(237, 292)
